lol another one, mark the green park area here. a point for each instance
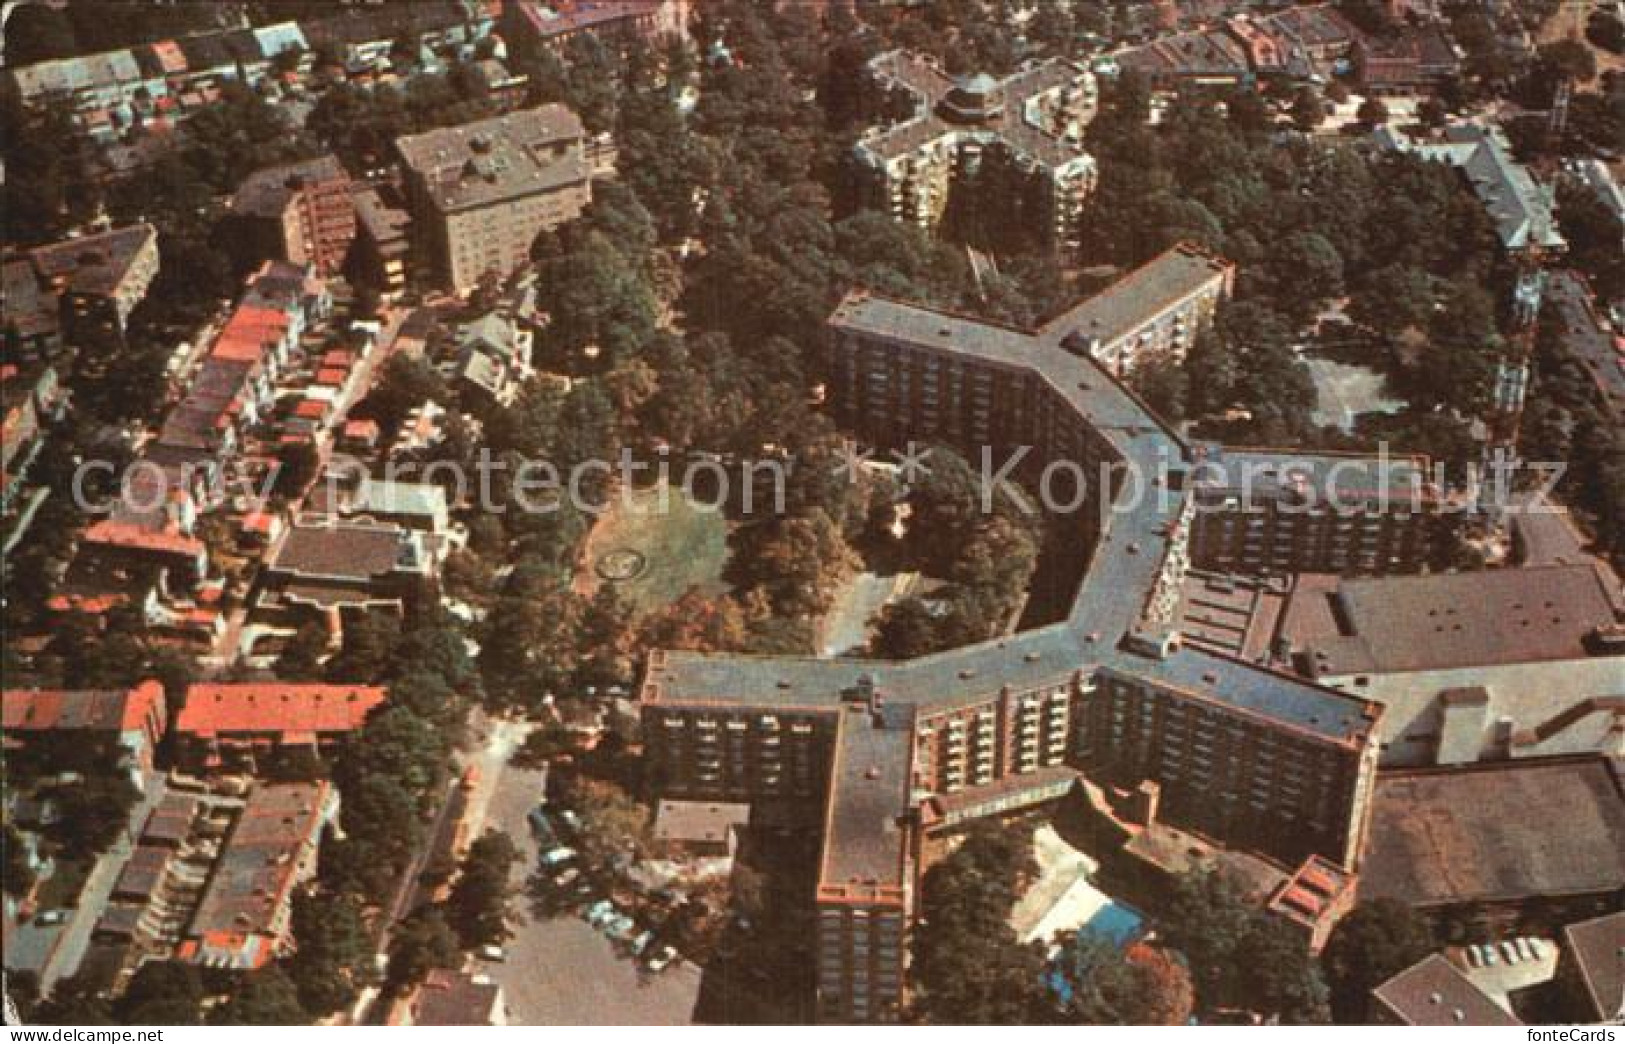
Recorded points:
(654, 545)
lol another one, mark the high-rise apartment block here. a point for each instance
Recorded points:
(1035, 117)
(1277, 512)
(900, 751)
(481, 192)
(300, 212)
(88, 286)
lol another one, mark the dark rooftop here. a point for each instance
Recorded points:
(1433, 992)
(455, 998)
(1474, 619)
(863, 844)
(340, 550)
(504, 157)
(1005, 109)
(266, 193)
(1497, 831)
(1598, 949)
(94, 264)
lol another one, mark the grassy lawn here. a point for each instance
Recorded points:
(681, 547)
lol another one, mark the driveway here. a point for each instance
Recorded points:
(561, 971)
(845, 629)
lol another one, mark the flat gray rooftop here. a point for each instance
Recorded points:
(869, 787)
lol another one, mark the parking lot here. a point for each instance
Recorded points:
(562, 971)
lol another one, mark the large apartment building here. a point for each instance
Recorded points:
(481, 192)
(1275, 512)
(1035, 117)
(300, 212)
(554, 24)
(87, 287)
(898, 751)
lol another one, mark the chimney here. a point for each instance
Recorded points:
(1141, 809)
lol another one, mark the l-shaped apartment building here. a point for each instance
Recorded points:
(1260, 759)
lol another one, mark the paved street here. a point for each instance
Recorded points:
(562, 971)
(55, 952)
(845, 628)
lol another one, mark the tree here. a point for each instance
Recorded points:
(969, 967)
(1308, 110)
(162, 993)
(1244, 363)
(38, 33)
(1606, 31)
(75, 1001)
(263, 998)
(367, 649)
(335, 954)
(93, 812)
(1166, 996)
(1162, 382)
(1308, 271)
(296, 468)
(797, 561)
(614, 827)
(422, 942)
(1594, 233)
(18, 878)
(1432, 113)
(1097, 983)
(1372, 112)
(406, 383)
(478, 905)
(301, 657)
(1240, 956)
(1374, 942)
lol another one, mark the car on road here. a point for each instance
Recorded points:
(492, 953)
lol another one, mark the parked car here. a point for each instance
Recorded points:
(660, 959)
(556, 858)
(50, 917)
(491, 952)
(537, 820)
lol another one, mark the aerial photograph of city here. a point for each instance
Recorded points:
(739, 513)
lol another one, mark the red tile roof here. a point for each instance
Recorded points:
(103, 710)
(141, 538)
(213, 710)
